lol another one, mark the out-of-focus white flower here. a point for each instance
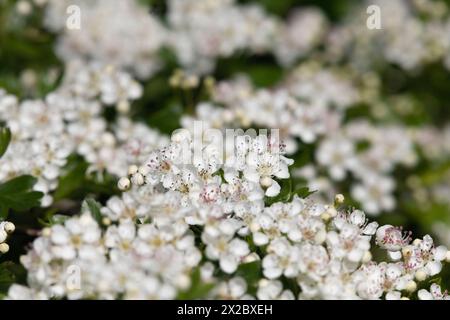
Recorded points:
(337, 155)
(234, 289)
(374, 193)
(132, 42)
(273, 290)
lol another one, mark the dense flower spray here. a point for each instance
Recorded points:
(177, 217)
(263, 219)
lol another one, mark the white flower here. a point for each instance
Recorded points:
(19, 292)
(262, 167)
(337, 154)
(374, 193)
(273, 290)
(391, 238)
(435, 293)
(313, 262)
(228, 250)
(141, 34)
(283, 259)
(77, 238)
(235, 288)
(422, 256)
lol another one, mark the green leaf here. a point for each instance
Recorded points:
(284, 195)
(53, 220)
(19, 184)
(94, 207)
(198, 289)
(252, 273)
(73, 179)
(10, 273)
(5, 138)
(167, 119)
(17, 194)
(6, 278)
(303, 192)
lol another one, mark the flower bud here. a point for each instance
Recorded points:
(4, 248)
(325, 216)
(133, 169)
(124, 183)
(339, 199)
(123, 106)
(106, 221)
(3, 236)
(411, 286)
(265, 181)
(332, 211)
(108, 139)
(367, 257)
(46, 232)
(9, 227)
(183, 282)
(24, 8)
(137, 179)
(420, 275)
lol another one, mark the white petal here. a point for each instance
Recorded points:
(393, 295)
(424, 295)
(260, 239)
(228, 263)
(59, 235)
(273, 190)
(433, 267)
(238, 287)
(283, 171)
(272, 273)
(239, 247)
(440, 253)
(395, 255)
(251, 175)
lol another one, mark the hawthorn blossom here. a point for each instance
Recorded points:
(435, 293)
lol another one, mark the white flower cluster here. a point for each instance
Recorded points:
(435, 146)
(131, 42)
(230, 28)
(40, 144)
(434, 142)
(310, 104)
(6, 228)
(214, 211)
(303, 31)
(179, 213)
(412, 34)
(249, 169)
(135, 38)
(310, 108)
(45, 132)
(109, 85)
(152, 238)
